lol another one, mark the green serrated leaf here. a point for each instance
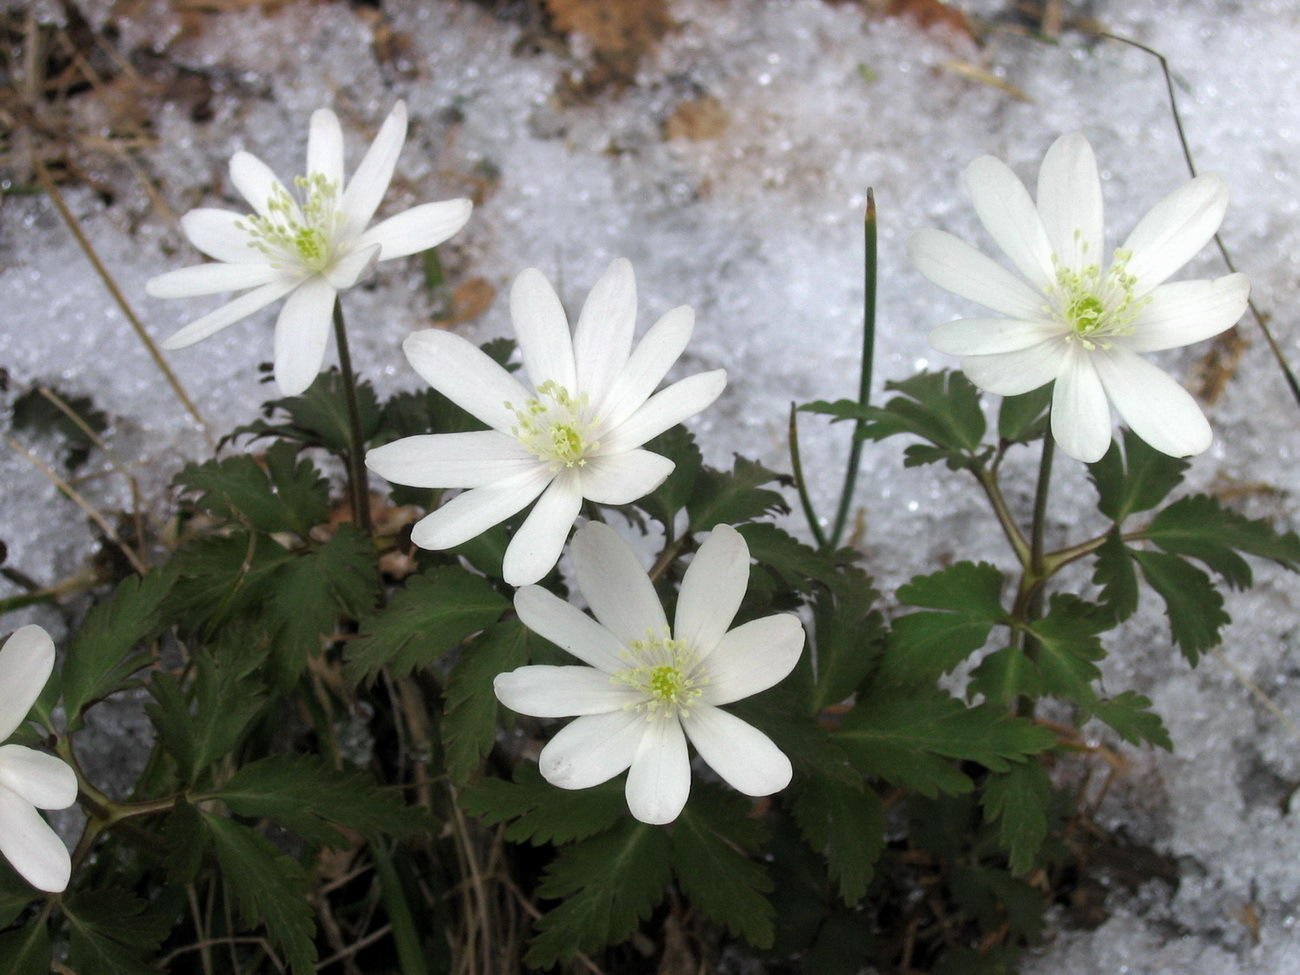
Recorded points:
(1199, 527)
(111, 932)
(33, 412)
(289, 495)
(722, 498)
(801, 568)
(678, 445)
(726, 886)
(309, 594)
(968, 600)
(26, 951)
(781, 714)
(105, 653)
(610, 883)
(539, 813)
(1113, 572)
(15, 894)
(220, 578)
(1131, 716)
(1023, 418)
(1136, 479)
(1068, 646)
(994, 897)
(1194, 606)
(310, 798)
(846, 825)
(317, 418)
(185, 842)
(469, 720)
(1004, 676)
(906, 737)
(268, 888)
(1017, 800)
(850, 638)
(437, 611)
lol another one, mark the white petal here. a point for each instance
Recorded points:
(664, 409)
(1175, 229)
(370, 182)
(1012, 373)
(617, 588)
(209, 279)
(622, 478)
(1185, 312)
(325, 146)
(956, 266)
(742, 755)
(660, 780)
(539, 541)
(1069, 201)
(591, 750)
(1011, 219)
(451, 460)
(43, 780)
(218, 234)
(301, 333)
(474, 512)
(543, 330)
(1080, 413)
(347, 271)
(255, 181)
(569, 628)
(467, 376)
(603, 336)
(26, 662)
(990, 336)
(1156, 407)
(31, 847)
(649, 362)
(712, 590)
(418, 228)
(562, 692)
(229, 313)
(751, 658)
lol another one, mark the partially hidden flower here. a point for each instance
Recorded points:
(30, 780)
(647, 687)
(1070, 318)
(572, 431)
(309, 243)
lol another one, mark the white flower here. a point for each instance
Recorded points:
(575, 432)
(1070, 320)
(648, 688)
(30, 780)
(308, 244)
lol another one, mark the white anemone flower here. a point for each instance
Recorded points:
(309, 244)
(30, 780)
(1068, 317)
(574, 432)
(649, 688)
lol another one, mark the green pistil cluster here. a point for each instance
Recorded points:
(298, 232)
(1098, 308)
(662, 670)
(552, 426)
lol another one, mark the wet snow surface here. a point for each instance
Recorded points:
(759, 229)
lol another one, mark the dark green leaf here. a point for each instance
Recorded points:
(841, 948)
(436, 612)
(610, 883)
(1068, 646)
(289, 495)
(676, 492)
(269, 889)
(782, 714)
(1018, 799)
(106, 651)
(26, 951)
(1113, 573)
(319, 417)
(1136, 481)
(731, 498)
(801, 568)
(1006, 675)
(1193, 604)
(112, 932)
(995, 897)
(309, 798)
(849, 642)
(32, 412)
(15, 894)
(1201, 528)
(968, 600)
(846, 824)
(540, 813)
(185, 842)
(469, 720)
(1131, 716)
(1023, 418)
(221, 577)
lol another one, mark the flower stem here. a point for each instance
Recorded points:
(801, 486)
(988, 479)
(864, 378)
(1040, 504)
(358, 480)
(1029, 598)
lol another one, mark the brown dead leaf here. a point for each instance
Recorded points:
(933, 14)
(619, 31)
(697, 120)
(469, 300)
(1219, 365)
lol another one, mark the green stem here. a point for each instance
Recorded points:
(358, 480)
(1029, 598)
(988, 479)
(864, 378)
(410, 955)
(801, 486)
(1040, 505)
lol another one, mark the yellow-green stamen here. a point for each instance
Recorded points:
(1097, 307)
(298, 233)
(553, 426)
(663, 670)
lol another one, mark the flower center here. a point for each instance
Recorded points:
(298, 232)
(1097, 307)
(663, 670)
(554, 428)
